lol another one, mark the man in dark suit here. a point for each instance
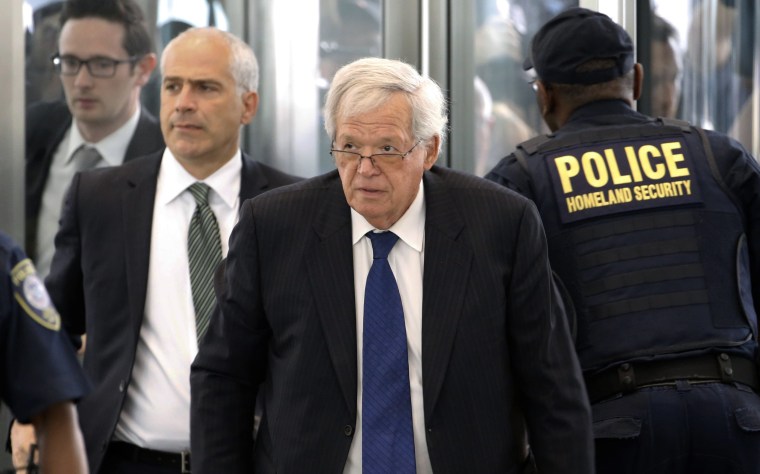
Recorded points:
(459, 354)
(123, 268)
(105, 56)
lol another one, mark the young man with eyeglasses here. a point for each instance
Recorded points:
(105, 56)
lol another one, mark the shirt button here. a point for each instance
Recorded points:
(348, 430)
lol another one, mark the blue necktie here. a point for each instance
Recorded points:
(387, 436)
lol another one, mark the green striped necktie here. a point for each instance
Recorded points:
(204, 250)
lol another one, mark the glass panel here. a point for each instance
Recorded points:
(42, 28)
(298, 56)
(505, 108)
(716, 39)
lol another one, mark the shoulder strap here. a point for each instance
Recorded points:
(716, 172)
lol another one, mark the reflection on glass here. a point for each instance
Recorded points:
(718, 62)
(666, 69)
(42, 30)
(348, 30)
(503, 32)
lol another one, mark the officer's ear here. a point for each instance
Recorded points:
(546, 97)
(638, 80)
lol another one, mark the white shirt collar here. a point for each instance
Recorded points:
(113, 147)
(410, 227)
(174, 179)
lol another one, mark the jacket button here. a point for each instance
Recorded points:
(348, 430)
(122, 384)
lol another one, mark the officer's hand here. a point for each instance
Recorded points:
(22, 437)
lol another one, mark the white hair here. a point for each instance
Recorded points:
(368, 83)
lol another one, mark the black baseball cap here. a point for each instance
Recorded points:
(574, 37)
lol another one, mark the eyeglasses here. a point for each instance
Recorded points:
(531, 77)
(99, 66)
(344, 158)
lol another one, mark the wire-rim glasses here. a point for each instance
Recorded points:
(343, 157)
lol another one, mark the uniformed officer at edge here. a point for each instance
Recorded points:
(40, 375)
(653, 229)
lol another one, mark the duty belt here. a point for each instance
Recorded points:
(628, 377)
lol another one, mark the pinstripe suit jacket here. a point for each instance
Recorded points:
(497, 358)
(99, 277)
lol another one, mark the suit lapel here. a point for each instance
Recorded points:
(447, 269)
(252, 180)
(147, 137)
(137, 205)
(331, 272)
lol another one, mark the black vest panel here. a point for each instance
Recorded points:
(647, 242)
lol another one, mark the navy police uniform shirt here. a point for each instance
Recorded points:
(39, 365)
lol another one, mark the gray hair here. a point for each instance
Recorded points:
(368, 83)
(243, 64)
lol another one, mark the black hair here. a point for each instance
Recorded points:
(137, 40)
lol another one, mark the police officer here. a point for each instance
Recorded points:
(40, 374)
(654, 229)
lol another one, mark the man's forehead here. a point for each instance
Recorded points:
(91, 36)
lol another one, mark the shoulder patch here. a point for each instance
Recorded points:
(31, 295)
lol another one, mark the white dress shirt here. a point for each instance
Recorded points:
(156, 413)
(112, 148)
(407, 260)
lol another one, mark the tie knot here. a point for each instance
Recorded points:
(85, 157)
(382, 243)
(200, 193)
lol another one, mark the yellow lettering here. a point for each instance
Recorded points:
(568, 167)
(588, 200)
(571, 206)
(645, 152)
(633, 162)
(594, 169)
(672, 159)
(617, 178)
(622, 194)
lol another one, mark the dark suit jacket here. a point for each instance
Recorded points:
(98, 279)
(496, 353)
(46, 124)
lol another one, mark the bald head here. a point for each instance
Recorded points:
(242, 61)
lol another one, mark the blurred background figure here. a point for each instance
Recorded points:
(498, 62)
(42, 29)
(348, 30)
(666, 69)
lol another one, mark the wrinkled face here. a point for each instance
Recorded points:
(201, 108)
(100, 101)
(382, 192)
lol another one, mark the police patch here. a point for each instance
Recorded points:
(610, 178)
(31, 295)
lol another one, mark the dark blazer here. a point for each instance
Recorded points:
(46, 124)
(496, 352)
(99, 276)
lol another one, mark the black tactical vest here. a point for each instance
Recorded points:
(646, 239)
